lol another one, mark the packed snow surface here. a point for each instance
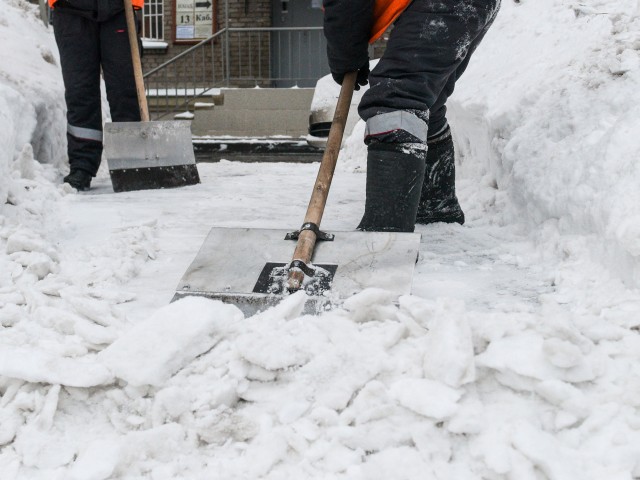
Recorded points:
(517, 356)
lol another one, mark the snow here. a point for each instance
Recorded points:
(572, 175)
(31, 110)
(184, 116)
(156, 348)
(516, 357)
(152, 44)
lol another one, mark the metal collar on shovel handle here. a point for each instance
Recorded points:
(135, 58)
(308, 236)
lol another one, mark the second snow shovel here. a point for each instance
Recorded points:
(256, 268)
(148, 155)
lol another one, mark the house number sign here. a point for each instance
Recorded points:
(193, 19)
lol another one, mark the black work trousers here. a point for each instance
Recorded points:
(428, 50)
(86, 46)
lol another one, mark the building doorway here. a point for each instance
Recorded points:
(298, 56)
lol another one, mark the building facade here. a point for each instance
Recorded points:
(269, 42)
(251, 53)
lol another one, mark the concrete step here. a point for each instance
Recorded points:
(242, 149)
(172, 105)
(256, 112)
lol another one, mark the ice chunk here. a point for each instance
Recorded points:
(153, 350)
(565, 396)
(97, 461)
(25, 240)
(35, 365)
(548, 454)
(449, 356)
(426, 397)
(371, 304)
(526, 355)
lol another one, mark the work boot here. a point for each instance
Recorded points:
(79, 179)
(438, 201)
(395, 174)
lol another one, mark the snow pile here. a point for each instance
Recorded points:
(32, 110)
(32, 134)
(425, 388)
(549, 115)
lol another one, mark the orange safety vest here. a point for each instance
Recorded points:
(136, 3)
(385, 13)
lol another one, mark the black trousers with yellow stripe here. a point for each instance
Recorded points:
(89, 45)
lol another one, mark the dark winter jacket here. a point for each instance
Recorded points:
(350, 25)
(347, 27)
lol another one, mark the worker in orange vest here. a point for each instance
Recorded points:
(92, 36)
(410, 158)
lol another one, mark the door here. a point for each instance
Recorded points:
(298, 56)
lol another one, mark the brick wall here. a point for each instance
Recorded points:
(249, 53)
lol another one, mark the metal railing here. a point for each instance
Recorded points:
(237, 57)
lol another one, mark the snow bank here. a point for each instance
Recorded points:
(32, 109)
(549, 114)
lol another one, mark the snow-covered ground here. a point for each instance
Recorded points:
(517, 356)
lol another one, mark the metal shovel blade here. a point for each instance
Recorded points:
(241, 266)
(150, 155)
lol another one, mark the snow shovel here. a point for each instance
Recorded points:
(148, 155)
(250, 267)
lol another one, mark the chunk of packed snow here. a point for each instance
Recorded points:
(153, 350)
(34, 365)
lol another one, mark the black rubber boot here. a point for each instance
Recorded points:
(438, 201)
(395, 174)
(79, 179)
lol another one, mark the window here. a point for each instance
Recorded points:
(153, 24)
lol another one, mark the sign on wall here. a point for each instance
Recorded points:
(194, 20)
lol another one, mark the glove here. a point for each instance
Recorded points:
(361, 80)
(347, 28)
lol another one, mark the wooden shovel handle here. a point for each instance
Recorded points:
(135, 58)
(307, 239)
